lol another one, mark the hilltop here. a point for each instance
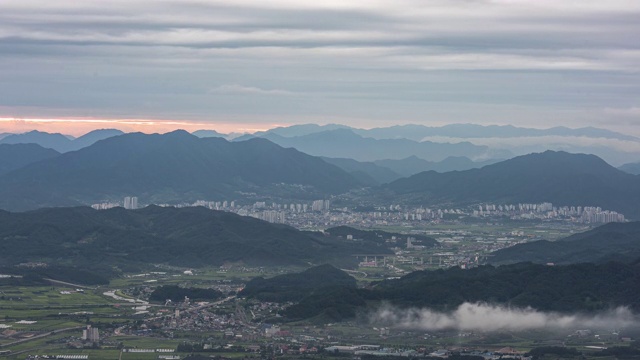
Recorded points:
(172, 167)
(613, 241)
(557, 177)
(191, 237)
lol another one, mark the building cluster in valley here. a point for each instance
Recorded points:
(239, 326)
(546, 211)
(320, 214)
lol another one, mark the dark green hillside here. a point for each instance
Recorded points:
(614, 241)
(173, 167)
(565, 289)
(557, 177)
(295, 287)
(324, 293)
(187, 237)
(571, 288)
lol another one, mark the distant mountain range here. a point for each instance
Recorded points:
(557, 177)
(15, 156)
(504, 141)
(496, 142)
(631, 168)
(345, 143)
(613, 241)
(174, 167)
(179, 167)
(366, 172)
(191, 237)
(384, 171)
(419, 132)
(208, 133)
(413, 165)
(59, 142)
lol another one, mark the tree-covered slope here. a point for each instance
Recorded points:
(570, 288)
(188, 237)
(172, 167)
(613, 241)
(577, 288)
(296, 286)
(379, 236)
(557, 177)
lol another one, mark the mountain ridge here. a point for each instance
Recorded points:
(176, 166)
(59, 142)
(558, 177)
(346, 143)
(15, 156)
(192, 236)
(613, 241)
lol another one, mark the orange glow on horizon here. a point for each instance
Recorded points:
(81, 126)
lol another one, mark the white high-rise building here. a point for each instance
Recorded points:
(90, 334)
(131, 202)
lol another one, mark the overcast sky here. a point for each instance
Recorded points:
(248, 64)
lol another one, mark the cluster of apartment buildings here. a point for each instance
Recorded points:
(546, 211)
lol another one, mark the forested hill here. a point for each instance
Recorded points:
(557, 177)
(566, 289)
(613, 241)
(324, 293)
(191, 237)
(570, 288)
(296, 286)
(173, 167)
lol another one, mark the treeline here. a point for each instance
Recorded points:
(297, 286)
(611, 242)
(571, 288)
(565, 289)
(330, 304)
(176, 293)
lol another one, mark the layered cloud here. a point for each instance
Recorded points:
(526, 62)
(489, 318)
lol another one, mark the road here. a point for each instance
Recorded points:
(69, 284)
(40, 336)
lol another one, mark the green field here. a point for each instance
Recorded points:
(52, 308)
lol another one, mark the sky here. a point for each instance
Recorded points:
(246, 65)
